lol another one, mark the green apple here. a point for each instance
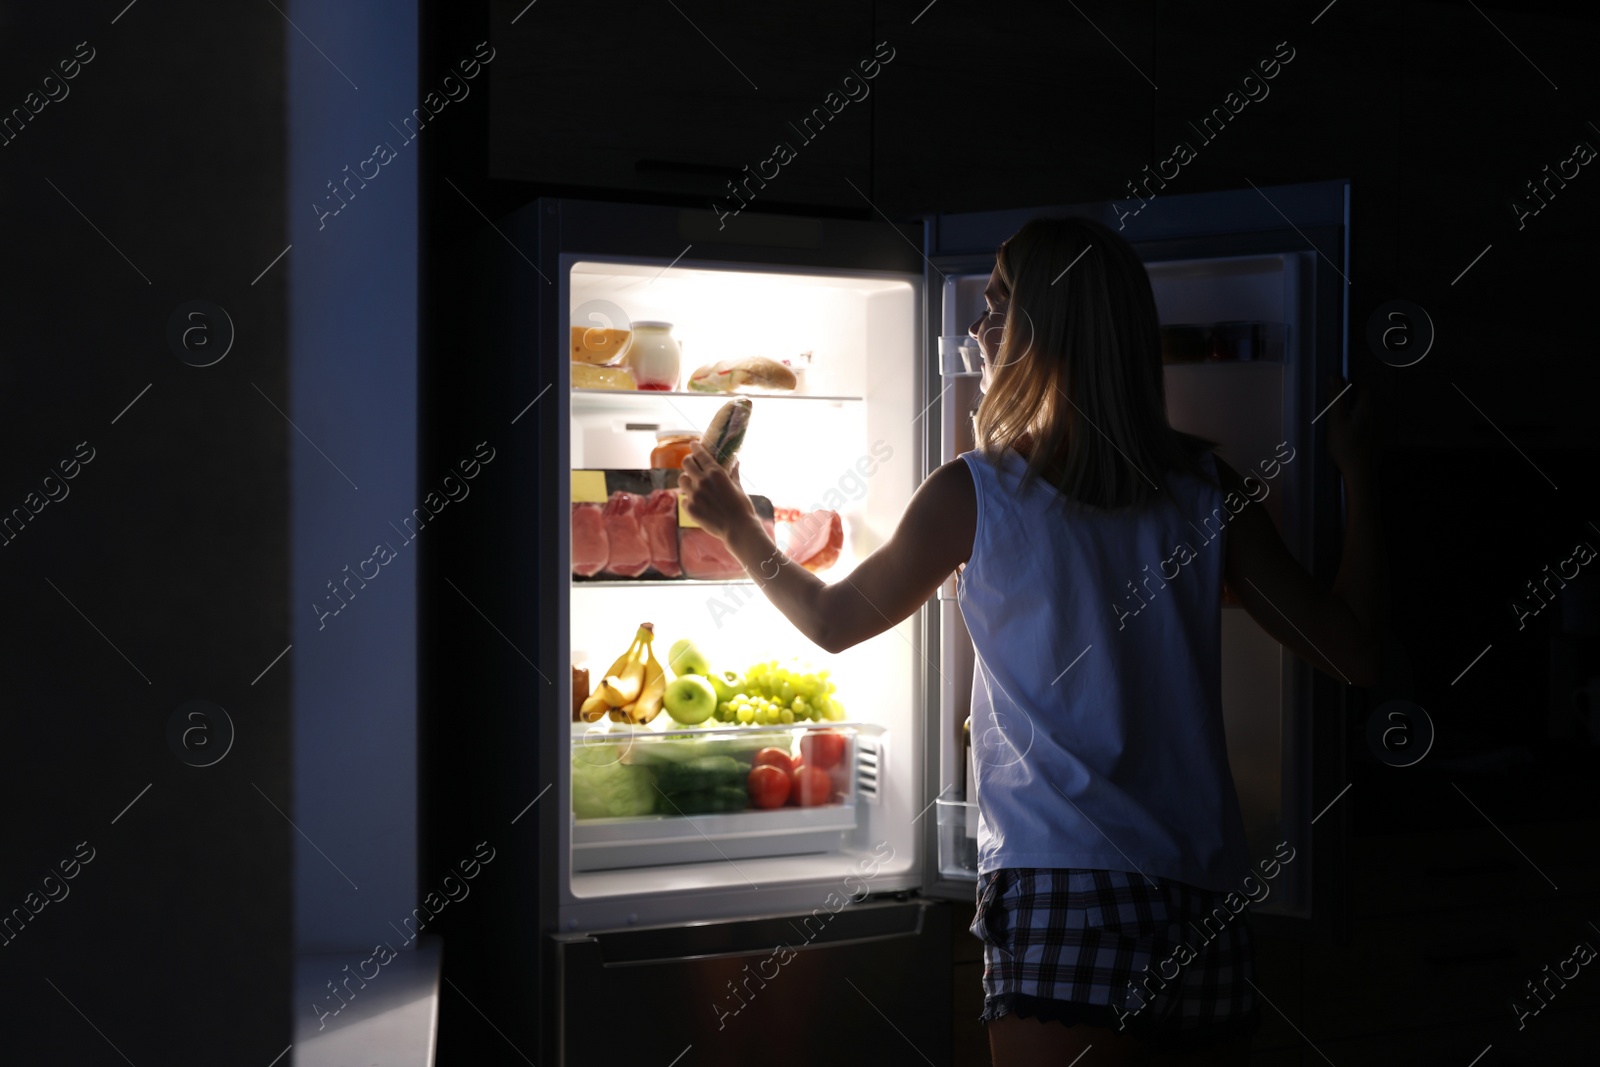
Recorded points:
(726, 683)
(690, 699)
(686, 658)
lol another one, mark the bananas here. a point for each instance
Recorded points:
(593, 708)
(625, 679)
(632, 689)
(648, 706)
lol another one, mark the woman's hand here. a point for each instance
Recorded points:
(713, 496)
(1351, 441)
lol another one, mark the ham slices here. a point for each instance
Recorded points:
(812, 539)
(705, 556)
(635, 534)
(626, 537)
(590, 545)
(659, 517)
(629, 555)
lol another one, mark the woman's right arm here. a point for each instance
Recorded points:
(1338, 630)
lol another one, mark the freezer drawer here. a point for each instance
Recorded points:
(868, 984)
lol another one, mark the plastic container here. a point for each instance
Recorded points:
(671, 447)
(705, 557)
(655, 357)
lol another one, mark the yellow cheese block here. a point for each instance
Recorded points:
(586, 377)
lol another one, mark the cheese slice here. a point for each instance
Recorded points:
(589, 487)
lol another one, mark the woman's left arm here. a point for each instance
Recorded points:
(934, 536)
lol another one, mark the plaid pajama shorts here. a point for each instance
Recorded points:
(1161, 959)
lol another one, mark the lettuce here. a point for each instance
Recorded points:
(604, 788)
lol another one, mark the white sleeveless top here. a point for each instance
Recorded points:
(1096, 700)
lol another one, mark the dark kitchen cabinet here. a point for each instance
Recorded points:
(1507, 326)
(1038, 107)
(1449, 929)
(679, 98)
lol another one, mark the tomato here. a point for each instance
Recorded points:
(775, 757)
(822, 748)
(769, 787)
(813, 786)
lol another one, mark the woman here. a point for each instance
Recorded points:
(1085, 531)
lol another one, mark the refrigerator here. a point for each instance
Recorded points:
(636, 917)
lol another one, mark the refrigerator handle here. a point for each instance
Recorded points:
(853, 924)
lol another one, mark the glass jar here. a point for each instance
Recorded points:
(654, 356)
(671, 447)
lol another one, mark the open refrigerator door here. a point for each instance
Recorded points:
(1251, 319)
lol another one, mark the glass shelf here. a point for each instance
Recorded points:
(646, 583)
(604, 731)
(590, 396)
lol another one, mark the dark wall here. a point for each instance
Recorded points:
(154, 572)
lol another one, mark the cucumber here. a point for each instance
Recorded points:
(700, 774)
(717, 800)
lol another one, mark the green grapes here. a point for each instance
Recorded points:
(774, 695)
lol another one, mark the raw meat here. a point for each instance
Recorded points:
(704, 556)
(659, 517)
(628, 554)
(814, 539)
(590, 545)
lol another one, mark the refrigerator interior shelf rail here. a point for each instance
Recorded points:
(654, 840)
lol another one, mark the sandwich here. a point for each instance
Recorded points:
(726, 432)
(754, 372)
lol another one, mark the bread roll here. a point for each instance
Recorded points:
(754, 371)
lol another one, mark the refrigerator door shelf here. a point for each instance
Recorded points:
(958, 838)
(1224, 342)
(608, 844)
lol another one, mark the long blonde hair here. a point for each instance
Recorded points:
(1078, 369)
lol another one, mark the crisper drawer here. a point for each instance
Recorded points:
(844, 983)
(646, 797)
